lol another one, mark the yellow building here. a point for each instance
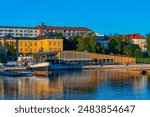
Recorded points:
(34, 45)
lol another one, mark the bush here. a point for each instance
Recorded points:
(143, 60)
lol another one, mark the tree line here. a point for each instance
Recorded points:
(117, 45)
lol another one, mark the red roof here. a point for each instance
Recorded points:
(134, 36)
(131, 36)
(62, 28)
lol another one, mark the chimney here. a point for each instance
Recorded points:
(43, 24)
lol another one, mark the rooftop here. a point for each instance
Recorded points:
(62, 28)
(134, 36)
(18, 27)
(29, 38)
(131, 36)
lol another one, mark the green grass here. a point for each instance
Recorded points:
(143, 60)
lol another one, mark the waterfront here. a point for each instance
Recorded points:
(78, 85)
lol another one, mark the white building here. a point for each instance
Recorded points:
(102, 39)
(66, 31)
(18, 31)
(137, 39)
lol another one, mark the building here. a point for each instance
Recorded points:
(66, 31)
(137, 39)
(102, 39)
(18, 31)
(32, 32)
(34, 45)
(75, 56)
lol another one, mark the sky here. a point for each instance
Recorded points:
(102, 16)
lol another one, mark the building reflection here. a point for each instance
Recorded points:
(30, 88)
(69, 82)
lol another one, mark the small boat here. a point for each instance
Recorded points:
(44, 66)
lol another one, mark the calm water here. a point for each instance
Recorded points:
(75, 85)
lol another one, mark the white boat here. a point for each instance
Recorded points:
(44, 66)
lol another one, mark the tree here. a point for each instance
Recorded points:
(117, 43)
(101, 49)
(133, 50)
(148, 44)
(11, 52)
(59, 35)
(87, 43)
(138, 53)
(112, 46)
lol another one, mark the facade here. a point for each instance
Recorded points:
(34, 45)
(137, 39)
(18, 31)
(32, 32)
(102, 39)
(66, 31)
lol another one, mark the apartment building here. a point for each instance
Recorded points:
(66, 31)
(18, 31)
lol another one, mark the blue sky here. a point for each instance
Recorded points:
(103, 16)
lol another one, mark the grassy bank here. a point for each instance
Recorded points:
(143, 60)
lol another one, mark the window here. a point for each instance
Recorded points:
(30, 49)
(30, 44)
(21, 49)
(55, 49)
(50, 49)
(50, 43)
(26, 44)
(54, 43)
(11, 31)
(59, 49)
(26, 49)
(35, 44)
(20, 43)
(21, 30)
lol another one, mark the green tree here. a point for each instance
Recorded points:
(87, 43)
(59, 35)
(101, 49)
(148, 44)
(11, 52)
(118, 43)
(138, 53)
(112, 45)
(133, 50)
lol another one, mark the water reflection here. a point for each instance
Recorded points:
(87, 84)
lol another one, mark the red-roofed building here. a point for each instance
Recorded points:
(66, 31)
(137, 39)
